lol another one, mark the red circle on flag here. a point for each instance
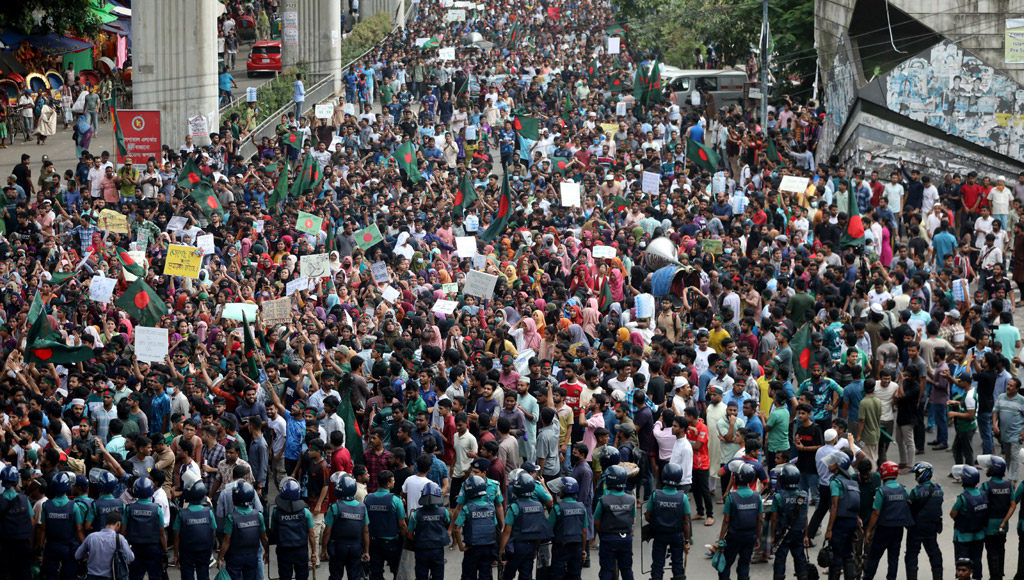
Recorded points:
(408, 157)
(212, 202)
(805, 358)
(367, 237)
(127, 259)
(502, 207)
(562, 165)
(702, 154)
(458, 198)
(141, 300)
(192, 177)
(308, 224)
(291, 138)
(43, 353)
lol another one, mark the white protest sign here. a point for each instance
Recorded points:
(446, 53)
(522, 362)
(456, 15)
(570, 191)
(421, 41)
(150, 344)
(380, 272)
(258, 226)
(315, 265)
(450, 288)
(390, 294)
(101, 288)
(205, 243)
(350, 108)
(197, 127)
(480, 284)
(620, 109)
(472, 223)
(235, 310)
(479, 261)
(470, 132)
(644, 306)
(603, 252)
(465, 246)
(323, 111)
(85, 259)
(651, 183)
(613, 45)
(793, 184)
(277, 311)
(296, 285)
(177, 223)
(445, 306)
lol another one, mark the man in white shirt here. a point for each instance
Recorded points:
(682, 451)
(894, 193)
(931, 195)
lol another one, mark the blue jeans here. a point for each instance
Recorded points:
(985, 429)
(938, 414)
(809, 483)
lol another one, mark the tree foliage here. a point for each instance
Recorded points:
(61, 16)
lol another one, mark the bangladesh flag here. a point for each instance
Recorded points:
(191, 175)
(308, 223)
(604, 298)
(405, 156)
(854, 234)
(280, 192)
(567, 108)
(772, 152)
(615, 82)
(143, 303)
(368, 237)
(653, 93)
(704, 157)
(207, 200)
(640, 82)
(353, 436)
(620, 203)
(36, 309)
(40, 328)
(615, 30)
(431, 42)
(59, 278)
(560, 164)
(49, 351)
(802, 353)
(272, 167)
(527, 127)
(502, 216)
(249, 351)
(465, 195)
(122, 151)
(592, 69)
(293, 139)
(129, 264)
(515, 33)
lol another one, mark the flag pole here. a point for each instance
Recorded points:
(113, 134)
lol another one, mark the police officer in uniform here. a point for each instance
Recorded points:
(479, 468)
(292, 523)
(844, 516)
(890, 514)
(106, 484)
(387, 526)
(194, 533)
(428, 529)
(244, 531)
(570, 522)
(613, 520)
(742, 514)
(1000, 493)
(789, 522)
(970, 516)
(926, 507)
(346, 536)
(61, 528)
(475, 529)
(525, 526)
(15, 526)
(668, 512)
(1018, 499)
(143, 526)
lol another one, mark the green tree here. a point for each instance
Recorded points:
(57, 15)
(795, 60)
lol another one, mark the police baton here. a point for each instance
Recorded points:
(646, 535)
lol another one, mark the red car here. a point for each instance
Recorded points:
(265, 56)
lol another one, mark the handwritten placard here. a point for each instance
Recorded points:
(479, 261)
(570, 191)
(793, 184)
(380, 272)
(177, 223)
(480, 284)
(604, 252)
(277, 311)
(390, 294)
(712, 246)
(465, 246)
(446, 53)
(150, 343)
(235, 310)
(100, 289)
(450, 288)
(112, 221)
(297, 285)
(183, 261)
(445, 307)
(315, 265)
(456, 15)
(651, 183)
(323, 111)
(614, 45)
(205, 243)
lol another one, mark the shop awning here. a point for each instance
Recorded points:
(121, 27)
(56, 44)
(11, 38)
(9, 64)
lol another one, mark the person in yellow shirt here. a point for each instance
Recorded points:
(717, 334)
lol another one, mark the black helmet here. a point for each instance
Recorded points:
(195, 492)
(345, 488)
(789, 476)
(672, 475)
(243, 494)
(744, 473)
(523, 485)
(615, 478)
(475, 487)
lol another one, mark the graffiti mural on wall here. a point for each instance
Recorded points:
(954, 91)
(840, 92)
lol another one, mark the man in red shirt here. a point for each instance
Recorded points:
(877, 188)
(448, 430)
(973, 198)
(573, 387)
(697, 434)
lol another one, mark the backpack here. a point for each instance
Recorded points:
(119, 562)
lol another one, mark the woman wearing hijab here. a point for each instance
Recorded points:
(578, 338)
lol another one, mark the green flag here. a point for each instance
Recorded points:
(560, 164)
(249, 351)
(143, 303)
(206, 200)
(431, 42)
(191, 175)
(465, 195)
(40, 328)
(292, 139)
(55, 352)
(802, 354)
(301, 184)
(308, 223)
(36, 309)
(280, 191)
(59, 278)
(353, 437)
(615, 83)
(129, 264)
(615, 30)
(704, 157)
(853, 235)
(653, 92)
(515, 33)
(527, 127)
(640, 81)
(501, 217)
(593, 68)
(118, 134)
(620, 203)
(405, 156)
(368, 237)
(567, 108)
(772, 152)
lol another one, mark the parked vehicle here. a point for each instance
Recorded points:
(726, 86)
(265, 56)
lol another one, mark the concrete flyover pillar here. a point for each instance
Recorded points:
(175, 63)
(289, 33)
(328, 59)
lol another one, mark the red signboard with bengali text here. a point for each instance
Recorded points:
(141, 131)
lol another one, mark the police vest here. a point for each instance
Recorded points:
(745, 511)
(895, 508)
(570, 522)
(479, 527)
(617, 513)
(245, 533)
(927, 505)
(383, 518)
(530, 524)
(60, 522)
(849, 502)
(431, 527)
(102, 507)
(975, 514)
(793, 505)
(348, 522)
(196, 533)
(16, 524)
(668, 512)
(144, 523)
(291, 527)
(999, 495)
